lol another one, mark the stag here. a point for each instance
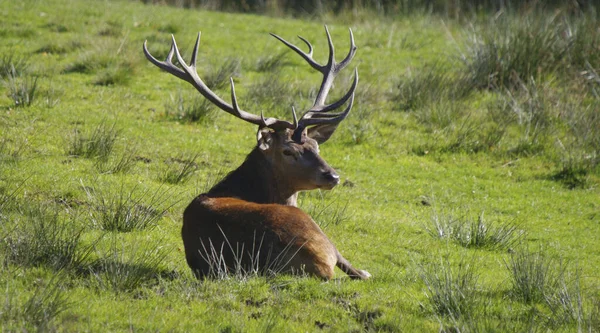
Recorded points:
(254, 205)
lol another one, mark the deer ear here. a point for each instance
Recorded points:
(264, 139)
(321, 133)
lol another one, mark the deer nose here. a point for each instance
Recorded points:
(331, 177)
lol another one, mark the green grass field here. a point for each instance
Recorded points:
(470, 166)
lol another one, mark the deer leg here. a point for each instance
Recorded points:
(352, 272)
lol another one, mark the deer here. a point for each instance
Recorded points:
(250, 218)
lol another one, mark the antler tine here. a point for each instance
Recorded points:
(304, 55)
(319, 110)
(329, 72)
(189, 73)
(167, 65)
(350, 54)
(318, 113)
(323, 119)
(331, 59)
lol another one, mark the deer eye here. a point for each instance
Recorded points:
(288, 152)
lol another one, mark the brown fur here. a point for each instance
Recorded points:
(266, 237)
(276, 169)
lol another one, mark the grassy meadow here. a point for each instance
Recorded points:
(470, 169)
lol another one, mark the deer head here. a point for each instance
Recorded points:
(290, 148)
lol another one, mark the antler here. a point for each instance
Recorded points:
(319, 113)
(190, 74)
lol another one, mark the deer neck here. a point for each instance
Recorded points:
(256, 180)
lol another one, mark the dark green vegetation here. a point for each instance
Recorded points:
(470, 165)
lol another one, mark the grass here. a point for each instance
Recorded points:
(218, 77)
(275, 92)
(124, 270)
(126, 210)
(179, 169)
(272, 63)
(451, 290)
(22, 90)
(434, 83)
(40, 310)
(452, 117)
(120, 164)
(97, 144)
(196, 109)
(533, 275)
(41, 237)
(474, 232)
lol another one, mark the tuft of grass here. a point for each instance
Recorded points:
(121, 74)
(113, 65)
(533, 275)
(566, 303)
(361, 126)
(60, 48)
(274, 93)
(432, 83)
(272, 62)
(121, 164)
(218, 77)
(179, 169)
(514, 49)
(126, 210)
(13, 64)
(21, 89)
(473, 232)
(125, 270)
(47, 302)
(99, 144)
(575, 171)
(198, 109)
(451, 290)
(580, 155)
(170, 28)
(43, 237)
(533, 113)
(583, 38)
(92, 62)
